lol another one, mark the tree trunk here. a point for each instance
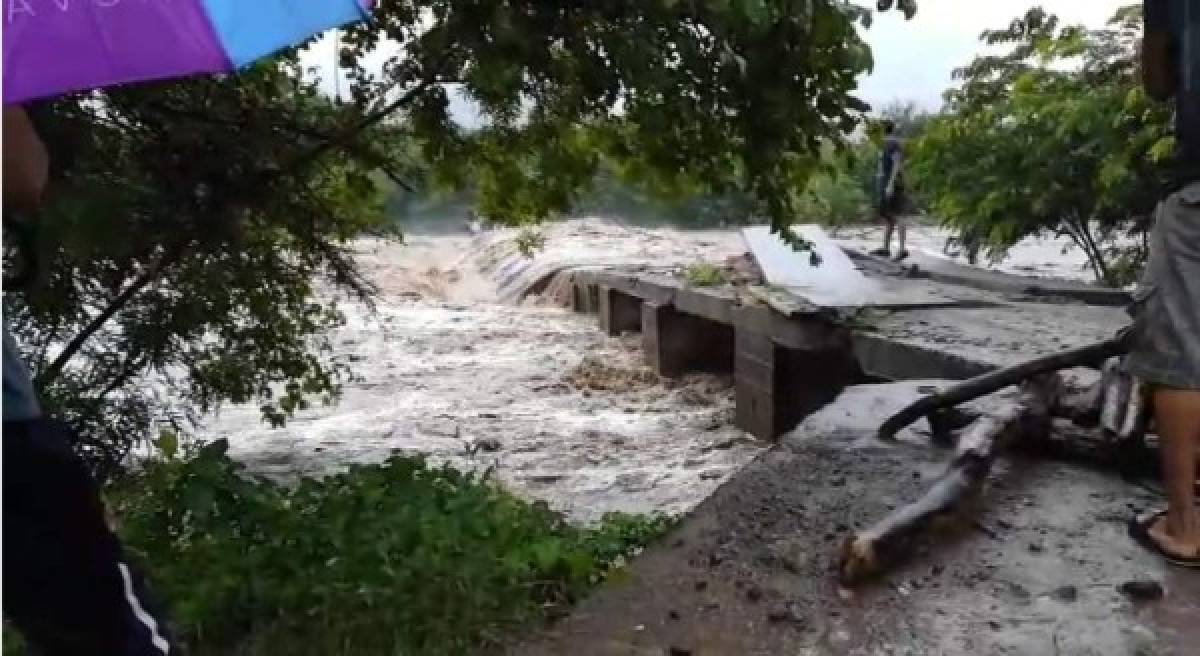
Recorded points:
(870, 552)
(1096, 255)
(1082, 236)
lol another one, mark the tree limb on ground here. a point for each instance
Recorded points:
(1092, 354)
(873, 550)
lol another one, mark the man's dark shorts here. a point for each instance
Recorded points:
(891, 207)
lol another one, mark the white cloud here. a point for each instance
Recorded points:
(914, 59)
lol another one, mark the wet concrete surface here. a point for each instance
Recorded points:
(1003, 335)
(1036, 570)
(1050, 258)
(824, 275)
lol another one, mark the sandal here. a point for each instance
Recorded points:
(1139, 530)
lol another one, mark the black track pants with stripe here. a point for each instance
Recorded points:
(67, 588)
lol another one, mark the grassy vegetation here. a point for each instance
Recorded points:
(394, 558)
(703, 274)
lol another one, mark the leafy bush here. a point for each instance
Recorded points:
(834, 199)
(1054, 135)
(395, 558)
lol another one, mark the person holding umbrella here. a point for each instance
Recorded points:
(67, 585)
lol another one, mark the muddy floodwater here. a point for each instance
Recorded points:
(557, 410)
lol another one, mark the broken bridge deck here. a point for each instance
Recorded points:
(793, 347)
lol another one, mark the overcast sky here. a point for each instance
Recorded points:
(913, 59)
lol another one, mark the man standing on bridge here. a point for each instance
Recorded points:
(890, 192)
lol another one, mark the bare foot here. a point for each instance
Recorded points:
(1180, 548)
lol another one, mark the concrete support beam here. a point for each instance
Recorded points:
(578, 296)
(776, 386)
(710, 304)
(619, 312)
(676, 343)
(892, 359)
(593, 298)
(806, 333)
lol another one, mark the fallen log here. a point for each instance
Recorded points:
(1092, 354)
(877, 548)
(1069, 442)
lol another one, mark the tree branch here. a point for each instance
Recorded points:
(176, 250)
(1001, 378)
(169, 257)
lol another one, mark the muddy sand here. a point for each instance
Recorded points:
(749, 571)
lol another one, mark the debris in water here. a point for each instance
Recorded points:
(595, 375)
(488, 444)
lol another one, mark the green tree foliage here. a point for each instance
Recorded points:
(841, 192)
(190, 223)
(1053, 136)
(714, 97)
(183, 235)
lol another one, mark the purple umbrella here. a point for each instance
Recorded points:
(53, 47)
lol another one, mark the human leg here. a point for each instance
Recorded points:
(889, 226)
(901, 238)
(1165, 352)
(1177, 413)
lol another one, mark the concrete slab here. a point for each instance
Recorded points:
(893, 359)
(826, 276)
(945, 270)
(989, 337)
(712, 304)
(648, 288)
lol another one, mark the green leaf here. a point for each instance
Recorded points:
(1162, 150)
(167, 444)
